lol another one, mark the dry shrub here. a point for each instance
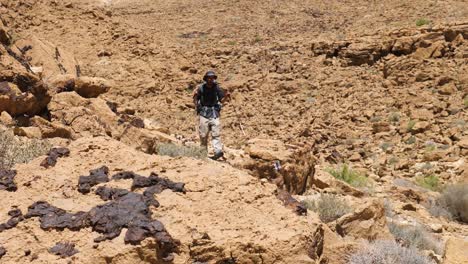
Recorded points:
(388, 252)
(416, 236)
(14, 150)
(173, 150)
(329, 207)
(452, 203)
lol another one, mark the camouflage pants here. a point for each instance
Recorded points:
(212, 125)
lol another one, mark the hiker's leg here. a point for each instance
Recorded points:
(216, 135)
(203, 131)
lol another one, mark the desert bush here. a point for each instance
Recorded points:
(410, 125)
(430, 182)
(388, 252)
(394, 117)
(388, 206)
(347, 174)
(454, 200)
(14, 150)
(329, 207)
(422, 22)
(173, 150)
(435, 208)
(416, 236)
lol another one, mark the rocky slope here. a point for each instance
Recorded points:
(314, 84)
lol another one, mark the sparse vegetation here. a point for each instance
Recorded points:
(14, 150)
(347, 174)
(430, 182)
(452, 204)
(416, 236)
(410, 125)
(375, 119)
(386, 146)
(465, 101)
(394, 117)
(329, 207)
(173, 150)
(411, 140)
(388, 252)
(422, 21)
(435, 208)
(388, 206)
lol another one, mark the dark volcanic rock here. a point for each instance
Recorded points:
(53, 217)
(126, 210)
(155, 180)
(96, 176)
(159, 183)
(53, 155)
(7, 180)
(16, 217)
(107, 194)
(64, 249)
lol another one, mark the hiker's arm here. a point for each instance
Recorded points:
(196, 96)
(223, 95)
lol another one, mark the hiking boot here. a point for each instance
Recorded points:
(218, 155)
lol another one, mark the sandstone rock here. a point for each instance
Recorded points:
(53, 60)
(91, 87)
(28, 98)
(367, 222)
(29, 132)
(448, 89)
(420, 126)
(51, 129)
(422, 114)
(455, 251)
(267, 149)
(6, 119)
(463, 143)
(379, 127)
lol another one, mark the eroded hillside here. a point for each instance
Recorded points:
(379, 86)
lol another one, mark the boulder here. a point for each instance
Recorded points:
(51, 129)
(91, 86)
(366, 222)
(42, 53)
(267, 149)
(29, 132)
(456, 251)
(6, 119)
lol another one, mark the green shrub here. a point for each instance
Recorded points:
(416, 236)
(388, 252)
(430, 182)
(18, 150)
(410, 125)
(422, 22)
(329, 207)
(173, 150)
(346, 174)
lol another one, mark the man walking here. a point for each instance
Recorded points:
(208, 98)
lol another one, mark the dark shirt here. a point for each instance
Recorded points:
(209, 96)
(209, 100)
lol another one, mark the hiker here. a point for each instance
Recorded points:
(208, 98)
